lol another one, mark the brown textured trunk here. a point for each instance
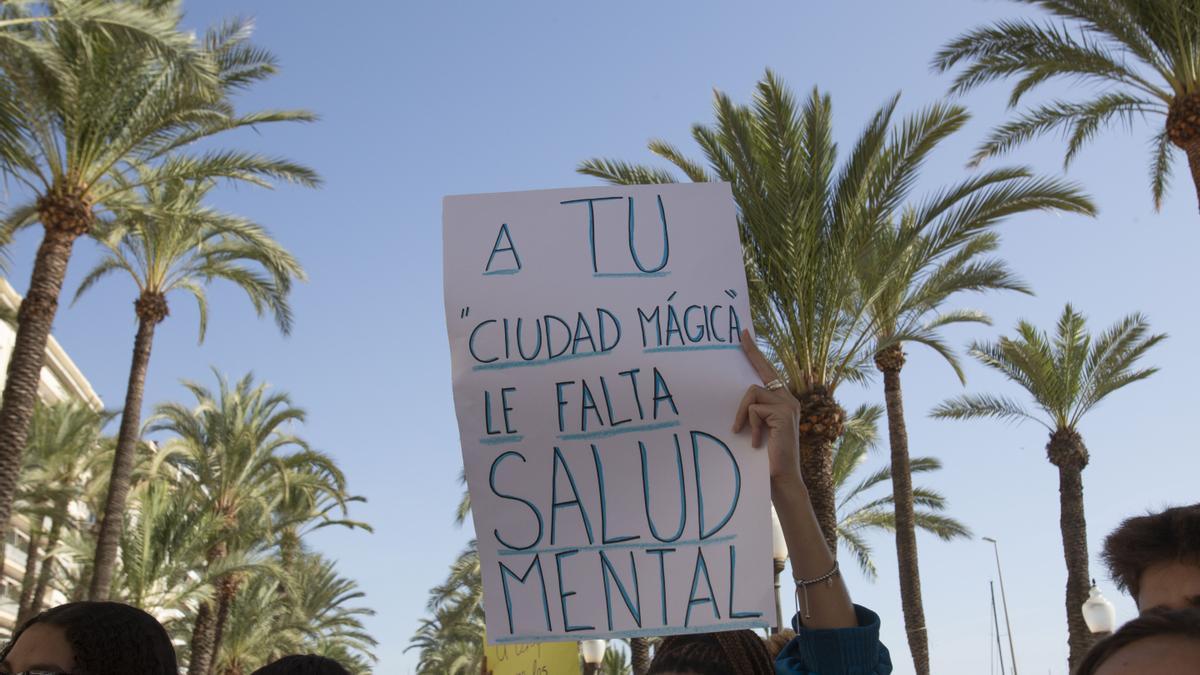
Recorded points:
(1067, 452)
(890, 361)
(639, 655)
(29, 579)
(1193, 155)
(816, 463)
(35, 318)
(204, 632)
(119, 483)
(43, 582)
(821, 424)
(226, 590)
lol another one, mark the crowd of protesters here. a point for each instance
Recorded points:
(1155, 558)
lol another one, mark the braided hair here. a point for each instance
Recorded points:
(738, 652)
(306, 664)
(109, 638)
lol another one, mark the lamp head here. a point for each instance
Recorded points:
(593, 651)
(1098, 613)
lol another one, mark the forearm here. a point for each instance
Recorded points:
(829, 603)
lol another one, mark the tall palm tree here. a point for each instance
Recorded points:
(63, 452)
(236, 444)
(1066, 376)
(806, 225)
(1139, 59)
(171, 241)
(859, 512)
(94, 118)
(918, 270)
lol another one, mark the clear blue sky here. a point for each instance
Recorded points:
(420, 100)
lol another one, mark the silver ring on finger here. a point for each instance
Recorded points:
(774, 385)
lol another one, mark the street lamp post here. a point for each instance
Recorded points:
(1098, 613)
(1012, 652)
(593, 655)
(779, 552)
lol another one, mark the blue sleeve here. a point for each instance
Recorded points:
(838, 651)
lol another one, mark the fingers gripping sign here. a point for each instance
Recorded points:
(771, 412)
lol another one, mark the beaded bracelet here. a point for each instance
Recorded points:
(803, 584)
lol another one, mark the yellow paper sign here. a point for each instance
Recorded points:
(545, 658)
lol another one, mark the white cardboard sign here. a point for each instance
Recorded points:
(594, 345)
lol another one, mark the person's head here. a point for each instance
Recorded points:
(1156, 558)
(738, 652)
(1159, 642)
(91, 638)
(776, 643)
(303, 664)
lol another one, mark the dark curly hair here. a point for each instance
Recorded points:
(1144, 541)
(1153, 623)
(737, 652)
(109, 638)
(306, 664)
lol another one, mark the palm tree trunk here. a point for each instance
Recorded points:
(203, 634)
(816, 464)
(890, 361)
(113, 521)
(639, 651)
(29, 580)
(1066, 451)
(1075, 552)
(226, 590)
(821, 423)
(43, 582)
(1193, 155)
(34, 320)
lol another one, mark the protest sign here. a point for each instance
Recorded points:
(596, 369)
(549, 658)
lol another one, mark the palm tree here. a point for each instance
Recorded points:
(615, 662)
(449, 645)
(162, 549)
(318, 618)
(918, 270)
(94, 117)
(236, 444)
(170, 241)
(859, 512)
(806, 225)
(253, 632)
(321, 610)
(1138, 57)
(64, 439)
(1066, 376)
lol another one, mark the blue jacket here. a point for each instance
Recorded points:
(837, 651)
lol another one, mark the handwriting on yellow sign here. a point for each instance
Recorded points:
(550, 658)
